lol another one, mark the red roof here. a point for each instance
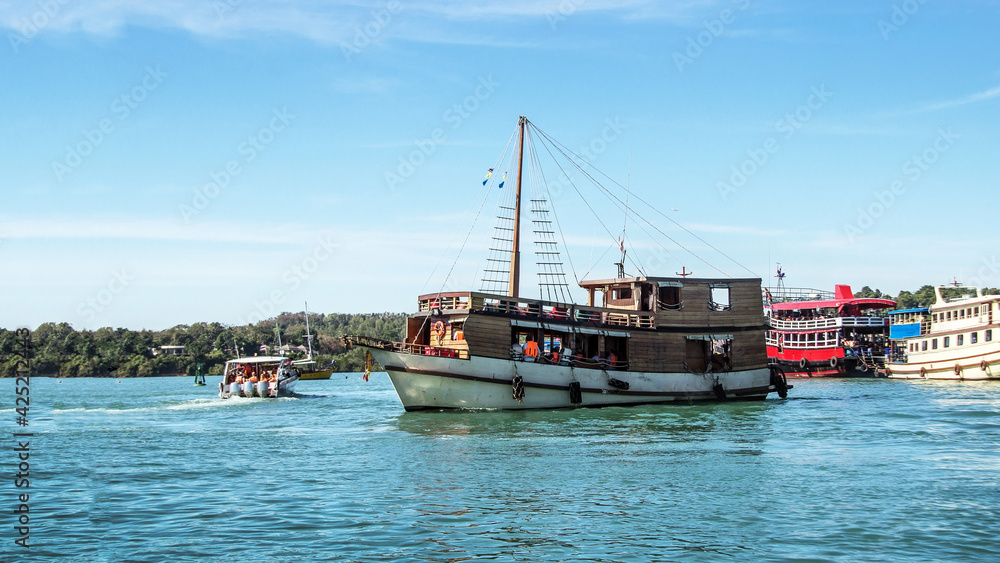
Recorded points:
(843, 300)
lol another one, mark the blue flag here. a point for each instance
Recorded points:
(502, 180)
(488, 172)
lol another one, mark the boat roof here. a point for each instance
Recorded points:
(258, 360)
(843, 298)
(917, 310)
(655, 279)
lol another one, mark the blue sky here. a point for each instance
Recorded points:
(168, 163)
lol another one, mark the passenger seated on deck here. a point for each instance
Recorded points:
(612, 360)
(530, 351)
(516, 351)
(566, 356)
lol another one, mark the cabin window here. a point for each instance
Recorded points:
(961, 314)
(669, 297)
(923, 346)
(973, 338)
(619, 293)
(935, 317)
(913, 347)
(709, 353)
(934, 344)
(616, 348)
(947, 341)
(948, 315)
(959, 340)
(989, 335)
(720, 298)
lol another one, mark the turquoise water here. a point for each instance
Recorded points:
(844, 470)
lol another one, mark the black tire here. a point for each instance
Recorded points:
(803, 363)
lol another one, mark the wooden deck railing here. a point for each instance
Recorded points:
(536, 309)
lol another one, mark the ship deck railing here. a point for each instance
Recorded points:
(407, 348)
(827, 322)
(536, 309)
(600, 363)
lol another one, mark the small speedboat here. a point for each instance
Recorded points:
(259, 376)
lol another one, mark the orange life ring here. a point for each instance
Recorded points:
(983, 365)
(439, 329)
(958, 369)
(923, 372)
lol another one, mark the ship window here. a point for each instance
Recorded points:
(948, 315)
(959, 340)
(720, 300)
(989, 335)
(961, 314)
(973, 338)
(947, 341)
(923, 346)
(913, 347)
(669, 297)
(934, 344)
(621, 293)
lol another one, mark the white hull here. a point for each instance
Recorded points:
(286, 387)
(433, 382)
(984, 367)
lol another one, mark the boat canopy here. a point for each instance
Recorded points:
(844, 301)
(258, 360)
(917, 310)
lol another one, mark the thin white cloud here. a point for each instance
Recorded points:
(961, 101)
(325, 22)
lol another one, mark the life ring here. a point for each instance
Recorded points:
(958, 369)
(923, 372)
(803, 363)
(833, 362)
(983, 365)
(439, 329)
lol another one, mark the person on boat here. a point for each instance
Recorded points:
(555, 355)
(517, 351)
(612, 360)
(530, 350)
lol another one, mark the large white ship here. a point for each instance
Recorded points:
(955, 338)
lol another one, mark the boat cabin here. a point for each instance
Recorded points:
(628, 324)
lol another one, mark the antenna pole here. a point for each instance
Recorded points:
(515, 253)
(309, 338)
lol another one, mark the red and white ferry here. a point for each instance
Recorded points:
(814, 333)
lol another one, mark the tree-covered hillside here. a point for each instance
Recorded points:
(60, 350)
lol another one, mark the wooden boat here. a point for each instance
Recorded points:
(955, 338)
(821, 334)
(638, 340)
(258, 376)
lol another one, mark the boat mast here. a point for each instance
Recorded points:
(309, 338)
(515, 253)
